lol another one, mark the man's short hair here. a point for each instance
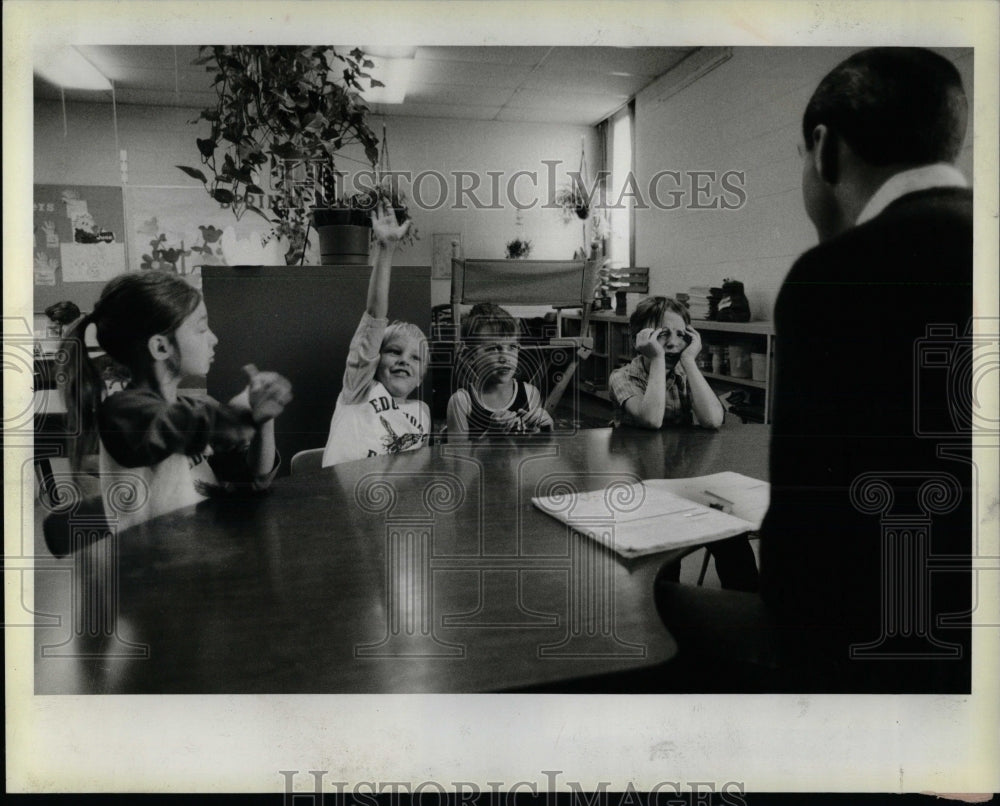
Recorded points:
(892, 106)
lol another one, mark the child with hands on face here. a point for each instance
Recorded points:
(663, 384)
(491, 401)
(386, 362)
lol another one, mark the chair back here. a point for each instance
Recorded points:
(304, 461)
(58, 527)
(559, 283)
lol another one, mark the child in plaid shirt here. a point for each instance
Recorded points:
(663, 386)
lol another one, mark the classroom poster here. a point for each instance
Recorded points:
(79, 242)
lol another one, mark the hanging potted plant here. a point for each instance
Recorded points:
(344, 227)
(574, 202)
(281, 116)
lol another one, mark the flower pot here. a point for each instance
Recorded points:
(340, 216)
(343, 243)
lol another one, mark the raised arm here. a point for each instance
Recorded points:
(387, 235)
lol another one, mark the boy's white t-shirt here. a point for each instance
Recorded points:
(367, 421)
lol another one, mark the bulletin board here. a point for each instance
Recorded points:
(79, 242)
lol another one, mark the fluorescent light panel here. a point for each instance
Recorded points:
(394, 73)
(68, 68)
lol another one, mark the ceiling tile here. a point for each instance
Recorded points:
(492, 54)
(573, 117)
(437, 111)
(586, 81)
(153, 97)
(455, 94)
(555, 84)
(150, 57)
(541, 99)
(480, 73)
(649, 62)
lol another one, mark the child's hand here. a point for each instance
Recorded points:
(690, 353)
(647, 342)
(387, 232)
(531, 422)
(268, 393)
(503, 422)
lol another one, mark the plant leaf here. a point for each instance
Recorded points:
(223, 196)
(286, 150)
(194, 173)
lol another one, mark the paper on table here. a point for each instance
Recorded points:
(663, 514)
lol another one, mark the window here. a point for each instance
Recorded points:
(619, 161)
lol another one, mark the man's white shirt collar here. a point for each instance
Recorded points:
(940, 174)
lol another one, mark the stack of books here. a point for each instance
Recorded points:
(699, 302)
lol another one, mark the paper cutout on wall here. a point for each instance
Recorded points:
(91, 262)
(76, 208)
(45, 269)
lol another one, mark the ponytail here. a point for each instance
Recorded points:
(133, 307)
(82, 392)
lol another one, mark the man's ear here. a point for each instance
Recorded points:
(825, 154)
(160, 347)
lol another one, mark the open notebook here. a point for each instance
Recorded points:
(663, 514)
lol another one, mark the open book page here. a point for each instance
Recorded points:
(733, 493)
(663, 514)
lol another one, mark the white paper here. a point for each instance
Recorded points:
(91, 262)
(663, 514)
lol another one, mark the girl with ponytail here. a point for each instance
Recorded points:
(172, 449)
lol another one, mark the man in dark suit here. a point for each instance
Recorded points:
(865, 582)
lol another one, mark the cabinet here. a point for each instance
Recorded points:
(613, 348)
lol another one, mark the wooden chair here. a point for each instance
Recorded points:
(304, 461)
(58, 526)
(559, 283)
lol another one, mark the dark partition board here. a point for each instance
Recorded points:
(298, 320)
(51, 212)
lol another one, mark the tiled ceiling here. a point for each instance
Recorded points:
(574, 85)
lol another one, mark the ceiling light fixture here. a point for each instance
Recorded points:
(390, 51)
(69, 69)
(395, 74)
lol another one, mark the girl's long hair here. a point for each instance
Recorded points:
(132, 308)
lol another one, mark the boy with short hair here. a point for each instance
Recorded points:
(385, 365)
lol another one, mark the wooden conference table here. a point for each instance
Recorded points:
(428, 571)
